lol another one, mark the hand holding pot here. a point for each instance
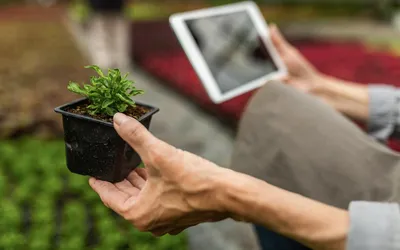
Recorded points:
(176, 190)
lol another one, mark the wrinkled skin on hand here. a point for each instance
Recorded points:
(175, 190)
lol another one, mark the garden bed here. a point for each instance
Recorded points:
(43, 206)
(37, 60)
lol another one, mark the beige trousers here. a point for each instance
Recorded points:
(297, 142)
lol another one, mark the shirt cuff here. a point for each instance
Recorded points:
(374, 226)
(384, 105)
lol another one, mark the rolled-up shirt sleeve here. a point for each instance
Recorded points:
(384, 109)
(374, 226)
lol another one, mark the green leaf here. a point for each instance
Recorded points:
(108, 94)
(74, 87)
(107, 103)
(122, 98)
(109, 111)
(122, 107)
(135, 92)
(93, 112)
(95, 68)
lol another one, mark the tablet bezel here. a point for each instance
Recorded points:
(182, 32)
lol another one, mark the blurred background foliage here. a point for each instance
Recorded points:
(43, 206)
(276, 9)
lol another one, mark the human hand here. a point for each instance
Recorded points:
(349, 98)
(176, 190)
(301, 73)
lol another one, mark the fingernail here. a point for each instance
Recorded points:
(91, 181)
(120, 118)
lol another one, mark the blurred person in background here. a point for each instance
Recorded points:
(109, 34)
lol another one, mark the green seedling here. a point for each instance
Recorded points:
(108, 94)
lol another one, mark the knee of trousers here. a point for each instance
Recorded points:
(297, 142)
(266, 125)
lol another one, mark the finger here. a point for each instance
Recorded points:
(285, 79)
(142, 172)
(127, 187)
(133, 132)
(278, 40)
(136, 180)
(161, 231)
(167, 230)
(177, 231)
(140, 139)
(294, 84)
(111, 196)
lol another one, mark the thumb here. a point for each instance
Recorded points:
(138, 137)
(278, 40)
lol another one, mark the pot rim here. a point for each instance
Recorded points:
(61, 110)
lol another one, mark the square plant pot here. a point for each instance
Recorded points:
(94, 148)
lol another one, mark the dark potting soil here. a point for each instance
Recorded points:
(82, 109)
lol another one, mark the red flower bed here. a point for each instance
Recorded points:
(350, 61)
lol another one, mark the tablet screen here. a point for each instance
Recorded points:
(232, 49)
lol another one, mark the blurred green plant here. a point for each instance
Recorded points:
(79, 10)
(2, 2)
(45, 207)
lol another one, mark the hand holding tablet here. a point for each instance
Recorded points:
(229, 47)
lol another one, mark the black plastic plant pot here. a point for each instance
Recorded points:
(94, 148)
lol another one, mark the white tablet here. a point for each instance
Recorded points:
(229, 47)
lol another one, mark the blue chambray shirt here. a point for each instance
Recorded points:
(373, 225)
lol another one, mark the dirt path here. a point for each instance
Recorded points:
(38, 58)
(30, 12)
